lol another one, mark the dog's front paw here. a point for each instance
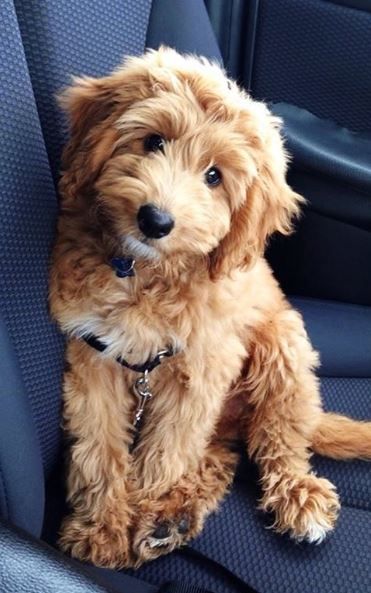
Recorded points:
(157, 536)
(166, 524)
(103, 544)
(306, 508)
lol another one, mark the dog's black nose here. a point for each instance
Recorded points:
(153, 222)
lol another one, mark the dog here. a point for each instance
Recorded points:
(180, 341)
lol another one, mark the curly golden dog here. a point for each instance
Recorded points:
(173, 180)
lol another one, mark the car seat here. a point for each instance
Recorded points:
(43, 42)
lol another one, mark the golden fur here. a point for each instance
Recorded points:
(244, 367)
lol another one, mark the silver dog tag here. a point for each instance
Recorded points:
(143, 392)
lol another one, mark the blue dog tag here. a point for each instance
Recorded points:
(123, 266)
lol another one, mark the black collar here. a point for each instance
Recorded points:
(147, 366)
(124, 267)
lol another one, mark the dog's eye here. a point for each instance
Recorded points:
(154, 142)
(213, 176)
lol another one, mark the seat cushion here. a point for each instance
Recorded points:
(28, 209)
(353, 479)
(341, 333)
(21, 471)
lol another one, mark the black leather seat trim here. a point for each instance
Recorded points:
(356, 4)
(326, 147)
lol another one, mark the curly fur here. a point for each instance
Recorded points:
(244, 368)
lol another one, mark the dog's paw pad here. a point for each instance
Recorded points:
(183, 526)
(161, 531)
(161, 537)
(168, 534)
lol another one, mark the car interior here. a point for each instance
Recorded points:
(310, 61)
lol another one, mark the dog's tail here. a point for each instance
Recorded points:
(340, 437)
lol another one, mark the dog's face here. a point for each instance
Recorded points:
(179, 160)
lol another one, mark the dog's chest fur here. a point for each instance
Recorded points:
(210, 324)
(207, 324)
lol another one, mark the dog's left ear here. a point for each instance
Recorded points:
(270, 206)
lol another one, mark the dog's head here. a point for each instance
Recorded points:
(179, 160)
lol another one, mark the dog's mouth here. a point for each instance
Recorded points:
(140, 248)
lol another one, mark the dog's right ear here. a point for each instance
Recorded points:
(89, 102)
(93, 106)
